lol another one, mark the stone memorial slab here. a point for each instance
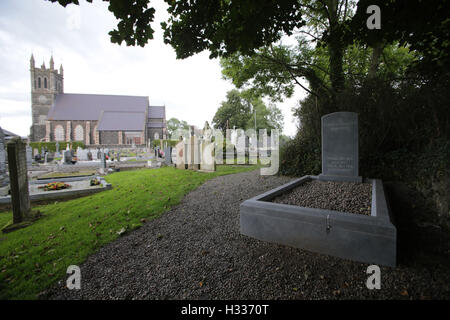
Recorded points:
(67, 157)
(17, 163)
(29, 155)
(4, 179)
(340, 147)
(181, 155)
(208, 158)
(168, 155)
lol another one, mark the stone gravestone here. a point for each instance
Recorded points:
(67, 157)
(180, 162)
(103, 166)
(17, 163)
(193, 154)
(4, 179)
(340, 147)
(29, 155)
(46, 157)
(174, 155)
(168, 155)
(57, 153)
(208, 162)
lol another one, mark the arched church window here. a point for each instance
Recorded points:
(59, 133)
(39, 82)
(45, 82)
(79, 133)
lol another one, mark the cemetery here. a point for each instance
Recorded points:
(324, 174)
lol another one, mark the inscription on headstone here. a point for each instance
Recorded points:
(340, 147)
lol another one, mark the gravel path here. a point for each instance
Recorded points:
(340, 196)
(195, 251)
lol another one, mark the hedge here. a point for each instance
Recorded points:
(157, 142)
(51, 146)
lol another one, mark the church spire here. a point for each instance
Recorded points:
(32, 62)
(43, 65)
(52, 64)
(61, 70)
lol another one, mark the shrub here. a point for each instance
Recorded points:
(51, 146)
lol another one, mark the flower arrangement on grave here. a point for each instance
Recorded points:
(55, 186)
(95, 182)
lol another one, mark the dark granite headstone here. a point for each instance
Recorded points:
(340, 147)
(168, 155)
(67, 157)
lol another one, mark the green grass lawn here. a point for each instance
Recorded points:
(34, 258)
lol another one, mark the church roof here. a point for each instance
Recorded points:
(157, 112)
(121, 121)
(75, 106)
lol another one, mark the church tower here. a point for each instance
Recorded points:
(46, 83)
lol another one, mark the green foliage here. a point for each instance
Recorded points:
(171, 143)
(134, 19)
(225, 27)
(239, 111)
(173, 124)
(232, 112)
(36, 257)
(51, 146)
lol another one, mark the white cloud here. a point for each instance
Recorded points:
(191, 89)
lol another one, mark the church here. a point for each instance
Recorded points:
(94, 119)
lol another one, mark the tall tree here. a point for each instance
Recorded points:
(239, 111)
(173, 124)
(234, 112)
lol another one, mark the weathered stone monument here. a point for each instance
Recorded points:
(180, 161)
(168, 155)
(29, 156)
(340, 147)
(103, 165)
(192, 151)
(17, 163)
(208, 162)
(67, 157)
(4, 179)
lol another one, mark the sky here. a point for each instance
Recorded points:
(77, 37)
